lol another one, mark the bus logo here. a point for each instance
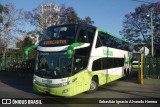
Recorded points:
(47, 81)
(107, 52)
(6, 101)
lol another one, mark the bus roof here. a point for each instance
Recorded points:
(80, 24)
(99, 29)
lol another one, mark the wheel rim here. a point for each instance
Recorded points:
(93, 85)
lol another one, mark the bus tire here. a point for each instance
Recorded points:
(126, 73)
(93, 85)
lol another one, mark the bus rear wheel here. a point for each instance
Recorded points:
(126, 73)
(93, 85)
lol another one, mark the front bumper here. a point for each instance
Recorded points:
(60, 91)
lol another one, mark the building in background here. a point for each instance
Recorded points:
(49, 14)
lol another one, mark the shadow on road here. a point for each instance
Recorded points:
(130, 87)
(19, 81)
(133, 77)
(24, 81)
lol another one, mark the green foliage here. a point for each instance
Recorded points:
(137, 25)
(27, 42)
(3, 9)
(1, 19)
(32, 53)
(87, 20)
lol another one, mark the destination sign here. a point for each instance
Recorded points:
(55, 42)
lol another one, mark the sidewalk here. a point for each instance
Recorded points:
(147, 81)
(150, 81)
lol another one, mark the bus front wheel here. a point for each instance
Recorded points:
(93, 85)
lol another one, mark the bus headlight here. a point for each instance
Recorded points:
(54, 85)
(69, 82)
(34, 80)
(64, 84)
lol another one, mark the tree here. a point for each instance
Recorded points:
(27, 40)
(61, 15)
(3, 10)
(11, 25)
(42, 16)
(137, 24)
(69, 14)
(87, 20)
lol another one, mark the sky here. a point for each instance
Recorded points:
(107, 14)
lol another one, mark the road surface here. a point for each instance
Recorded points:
(21, 87)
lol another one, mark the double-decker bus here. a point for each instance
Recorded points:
(75, 58)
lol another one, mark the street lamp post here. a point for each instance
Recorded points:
(152, 38)
(152, 35)
(151, 19)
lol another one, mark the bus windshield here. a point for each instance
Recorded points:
(52, 65)
(63, 33)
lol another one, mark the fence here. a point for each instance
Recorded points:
(16, 64)
(152, 67)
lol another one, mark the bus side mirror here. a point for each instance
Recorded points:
(76, 45)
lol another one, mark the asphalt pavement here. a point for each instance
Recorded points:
(20, 86)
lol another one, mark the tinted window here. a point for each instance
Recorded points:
(86, 35)
(60, 35)
(107, 63)
(110, 41)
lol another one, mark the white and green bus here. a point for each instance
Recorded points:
(75, 58)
